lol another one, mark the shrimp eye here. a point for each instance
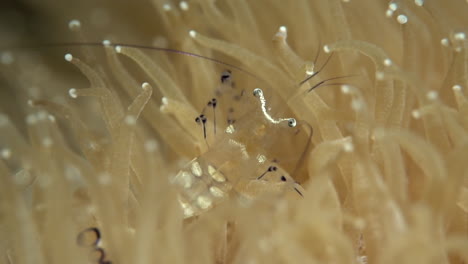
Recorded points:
(283, 178)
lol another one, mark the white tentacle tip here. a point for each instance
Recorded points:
(184, 6)
(106, 42)
(402, 19)
(5, 153)
(416, 114)
(419, 2)
(192, 33)
(130, 120)
(72, 93)
(345, 89)
(164, 103)
(445, 42)
(432, 95)
(456, 87)
(118, 49)
(146, 86)
(68, 57)
(459, 36)
(387, 62)
(151, 145)
(380, 75)
(167, 7)
(389, 13)
(326, 49)
(74, 25)
(348, 147)
(283, 29)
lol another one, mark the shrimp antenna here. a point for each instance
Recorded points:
(317, 72)
(270, 169)
(304, 152)
(329, 79)
(143, 47)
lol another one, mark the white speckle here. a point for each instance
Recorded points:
(230, 129)
(146, 86)
(348, 147)
(388, 13)
(211, 170)
(196, 169)
(216, 192)
(5, 153)
(216, 175)
(92, 145)
(118, 49)
(7, 58)
(346, 89)
(310, 72)
(51, 118)
(185, 179)
(379, 75)
(74, 25)
(167, 7)
(445, 42)
(459, 36)
(204, 202)
(106, 42)
(68, 57)
(432, 95)
(188, 209)
(184, 5)
(419, 2)
(356, 104)
(387, 62)
(151, 145)
(192, 33)
(31, 119)
(72, 93)
(261, 158)
(30, 102)
(164, 100)
(416, 114)
(72, 173)
(164, 103)
(362, 259)
(346, 1)
(130, 120)
(104, 178)
(456, 87)
(283, 29)
(47, 142)
(402, 19)
(393, 6)
(326, 49)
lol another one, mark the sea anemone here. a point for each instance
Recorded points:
(234, 132)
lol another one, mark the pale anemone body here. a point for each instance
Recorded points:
(385, 179)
